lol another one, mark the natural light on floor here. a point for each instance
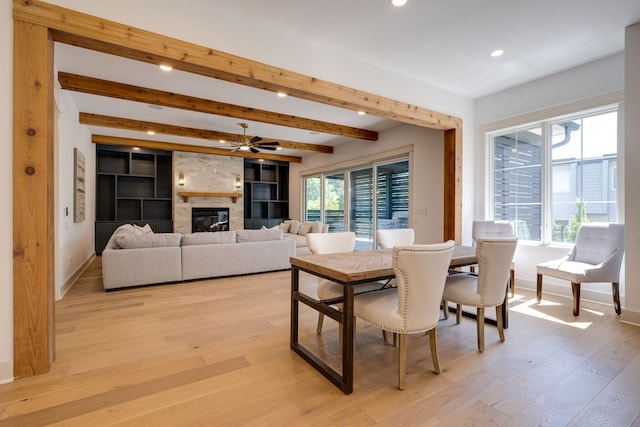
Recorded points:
(528, 307)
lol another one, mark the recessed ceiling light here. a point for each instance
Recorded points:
(150, 132)
(278, 148)
(165, 67)
(496, 53)
(282, 95)
(361, 113)
(398, 2)
(222, 141)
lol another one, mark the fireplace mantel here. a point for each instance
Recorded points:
(186, 194)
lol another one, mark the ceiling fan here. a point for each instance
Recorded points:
(254, 145)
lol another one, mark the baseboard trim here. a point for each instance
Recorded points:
(630, 317)
(71, 280)
(6, 371)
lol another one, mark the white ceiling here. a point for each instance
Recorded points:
(445, 44)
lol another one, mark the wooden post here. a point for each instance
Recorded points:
(33, 233)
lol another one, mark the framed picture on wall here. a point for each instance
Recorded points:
(78, 186)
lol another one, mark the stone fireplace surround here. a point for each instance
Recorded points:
(206, 173)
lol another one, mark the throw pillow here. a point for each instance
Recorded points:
(304, 230)
(142, 230)
(284, 227)
(294, 227)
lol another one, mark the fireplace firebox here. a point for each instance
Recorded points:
(209, 219)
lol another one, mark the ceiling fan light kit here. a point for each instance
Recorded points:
(254, 145)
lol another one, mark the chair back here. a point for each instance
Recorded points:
(595, 242)
(387, 239)
(331, 243)
(487, 229)
(421, 272)
(494, 262)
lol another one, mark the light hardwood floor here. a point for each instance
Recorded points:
(216, 353)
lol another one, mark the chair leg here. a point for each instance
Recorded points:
(458, 313)
(539, 288)
(434, 350)
(480, 323)
(445, 308)
(575, 288)
(615, 287)
(402, 362)
(320, 321)
(512, 281)
(500, 322)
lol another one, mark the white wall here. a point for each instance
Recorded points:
(74, 240)
(632, 171)
(427, 172)
(573, 90)
(6, 189)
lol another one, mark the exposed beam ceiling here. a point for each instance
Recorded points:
(167, 99)
(144, 126)
(168, 146)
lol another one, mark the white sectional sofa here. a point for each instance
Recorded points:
(297, 231)
(136, 256)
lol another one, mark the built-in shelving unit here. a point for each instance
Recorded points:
(133, 186)
(266, 193)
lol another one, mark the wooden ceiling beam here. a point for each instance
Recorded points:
(79, 29)
(211, 135)
(170, 146)
(127, 92)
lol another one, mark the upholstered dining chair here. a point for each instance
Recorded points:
(414, 305)
(488, 229)
(485, 289)
(387, 239)
(596, 256)
(331, 243)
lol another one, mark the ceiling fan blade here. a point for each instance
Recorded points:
(255, 139)
(268, 148)
(253, 150)
(263, 144)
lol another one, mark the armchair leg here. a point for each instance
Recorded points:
(480, 323)
(458, 313)
(575, 288)
(500, 322)
(402, 362)
(434, 351)
(445, 308)
(539, 288)
(616, 297)
(512, 281)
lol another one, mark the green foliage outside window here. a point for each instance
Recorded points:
(566, 232)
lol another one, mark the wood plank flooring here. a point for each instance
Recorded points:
(216, 353)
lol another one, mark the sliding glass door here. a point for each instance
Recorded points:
(361, 207)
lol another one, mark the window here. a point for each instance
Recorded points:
(377, 195)
(550, 177)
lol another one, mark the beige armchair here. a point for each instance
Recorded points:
(487, 288)
(414, 305)
(596, 257)
(330, 243)
(387, 239)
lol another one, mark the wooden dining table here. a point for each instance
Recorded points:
(350, 270)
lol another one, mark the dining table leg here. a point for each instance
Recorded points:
(348, 339)
(295, 285)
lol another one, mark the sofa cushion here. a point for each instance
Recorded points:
(316, 226)
(151, 240)
(304, 230)
(207, 238)
(294, 225)
(258, 235)
(301, 241)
